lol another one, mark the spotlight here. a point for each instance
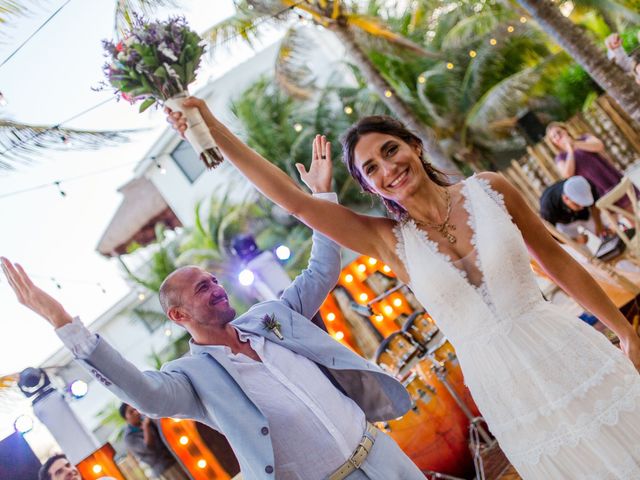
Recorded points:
(78, 388)
(33, 381)
(283, 252)
(246, 277)
(23, 424)
(245, 247)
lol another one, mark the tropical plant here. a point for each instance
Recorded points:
(583, 50)
(358, 32)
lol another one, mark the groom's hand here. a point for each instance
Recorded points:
(34, 297)
(318, 177)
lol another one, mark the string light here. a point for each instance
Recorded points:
(523, 19)
(388, 93)
(348, 110)
(510, 29)
(60, 191)
(297, 127)
(493, 41)
(141, 296)
(422, 79)
(168, 332)
(449, 66)
(472, 53)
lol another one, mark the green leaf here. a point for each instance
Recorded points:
(146, 104)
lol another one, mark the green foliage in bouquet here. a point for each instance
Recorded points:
(155, 61)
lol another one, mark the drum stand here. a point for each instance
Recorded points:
(477, 434)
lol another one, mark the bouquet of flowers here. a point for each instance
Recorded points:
(156, 62)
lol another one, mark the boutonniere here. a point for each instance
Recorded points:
(270, 323)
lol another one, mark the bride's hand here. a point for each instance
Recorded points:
(631, 347)
(318, 178)
(178, 120)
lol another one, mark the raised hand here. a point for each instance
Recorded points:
(318, 177)
(34, 297)
(179, 122)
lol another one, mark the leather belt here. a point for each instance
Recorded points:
(358, 456)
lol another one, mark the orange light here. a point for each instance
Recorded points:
(379, 318)
(331, 316)
(362, 268)
(397, 302)
(364, 297)
(339, 335)
(386, 269)
(184, 440)
(388, 310)
(202, 463)
(348, 278)
(97, 468)
(372, 261)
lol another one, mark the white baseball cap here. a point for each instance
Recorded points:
(578, 189)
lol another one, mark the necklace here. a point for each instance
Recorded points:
(445, 227)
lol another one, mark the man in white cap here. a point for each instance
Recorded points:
(569, 205)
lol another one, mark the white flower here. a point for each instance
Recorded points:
(167, 52)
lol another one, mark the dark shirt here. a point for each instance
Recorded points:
(553, 209)
(157, 456)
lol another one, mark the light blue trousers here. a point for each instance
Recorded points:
(387, 461)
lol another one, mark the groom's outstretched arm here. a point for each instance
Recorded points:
(156, 394)
(311, 287)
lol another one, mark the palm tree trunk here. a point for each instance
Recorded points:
(580, 46)
(394, 102)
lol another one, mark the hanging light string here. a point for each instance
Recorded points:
(57, 183)
(34, 33)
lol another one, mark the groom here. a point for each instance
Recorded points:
(293, 402)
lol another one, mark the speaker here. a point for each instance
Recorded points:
(531, 127)
(17, 460)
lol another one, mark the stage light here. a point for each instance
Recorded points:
(23, 424)
(245, 247)
(97, 468)
(246, 277)
(283, 252)
(34, 381)
(78, 388)
(183, 440)
(331, 316)
(202, 463)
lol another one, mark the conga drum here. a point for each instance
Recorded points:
(434, 432)
(420, 327)
(395, 351)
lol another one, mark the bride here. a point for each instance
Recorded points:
(561, 400)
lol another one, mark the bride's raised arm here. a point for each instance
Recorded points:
(365, 234)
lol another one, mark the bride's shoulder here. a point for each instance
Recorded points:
(495, 181)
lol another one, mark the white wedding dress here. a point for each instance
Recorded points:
(562, 401)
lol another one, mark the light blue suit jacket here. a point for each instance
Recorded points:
(205, 385)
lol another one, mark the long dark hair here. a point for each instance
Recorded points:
(389, 126)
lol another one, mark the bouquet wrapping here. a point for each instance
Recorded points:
(156, 62)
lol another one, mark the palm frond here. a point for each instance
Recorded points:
(472, 28)
(241, 26)
(22, 143)
(292, 73)
(9, 9)
(627, 9)
(125, 10)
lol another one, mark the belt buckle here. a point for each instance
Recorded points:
(355, 458)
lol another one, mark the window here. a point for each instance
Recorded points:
(187, 159)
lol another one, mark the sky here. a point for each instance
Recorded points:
(54, 237)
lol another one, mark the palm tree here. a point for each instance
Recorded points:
(582, 49)
(355, 31)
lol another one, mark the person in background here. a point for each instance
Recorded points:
(584, 156)
(58, 467)
(143, 440)
(616, 53)
(569, 205)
